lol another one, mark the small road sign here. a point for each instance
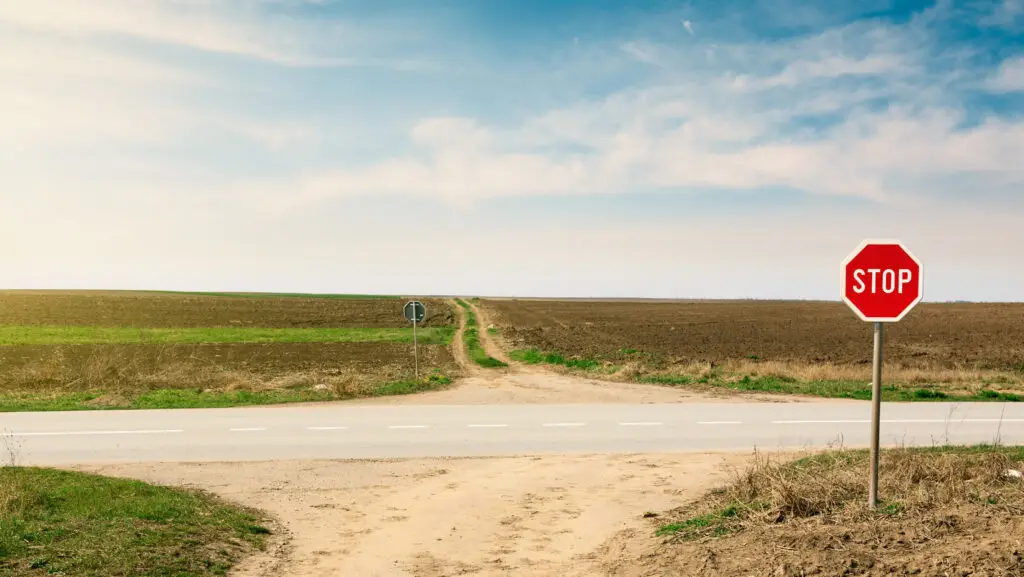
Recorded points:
(882, 281)
(415, 311)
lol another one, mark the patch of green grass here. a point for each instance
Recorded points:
(471, 338)
(493, 330)
(278, 295)
(79, 335)
(535, 357)
(56, 522)
(200, 399)
(716, 523)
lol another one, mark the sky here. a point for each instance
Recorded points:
(581, 148)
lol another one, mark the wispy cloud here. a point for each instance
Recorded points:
(1010, 76)
(855, 111)
(247, 29)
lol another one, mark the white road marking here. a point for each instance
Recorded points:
(486, 426)
(818, 422)
(408, 426)
(327, 428)
(719, 422)
(68, 433)
(247, 429)
(563, 424)
(643, 424)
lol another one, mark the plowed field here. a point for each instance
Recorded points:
(933, 335)
(129, 368)
(158, 310)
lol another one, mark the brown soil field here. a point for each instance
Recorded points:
(159, 310)
(68, 368)
(932, 336)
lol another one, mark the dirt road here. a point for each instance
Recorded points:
(526, 516)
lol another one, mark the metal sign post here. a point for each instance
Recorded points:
(414, 312)
(881, 281)
(876, 410)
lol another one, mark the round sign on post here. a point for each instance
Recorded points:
(881, 281)
(414, 311)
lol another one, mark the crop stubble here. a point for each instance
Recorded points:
(980, 336)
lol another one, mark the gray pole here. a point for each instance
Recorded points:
(876, 409)
(415, 345)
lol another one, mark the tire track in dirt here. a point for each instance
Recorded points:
(468, 367)
(486, 339)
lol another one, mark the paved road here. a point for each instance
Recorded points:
(421, 431)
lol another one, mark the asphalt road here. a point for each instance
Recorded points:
(267, 433)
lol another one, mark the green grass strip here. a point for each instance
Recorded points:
(83, 335)
(859, 390)
(66, 523)
(199, 399)
(471, 338)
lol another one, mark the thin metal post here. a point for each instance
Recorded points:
(415, 344)
(876, 409)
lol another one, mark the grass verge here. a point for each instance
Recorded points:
(80, 335)
(709, 376)
(810, 515)
(64, 523)
(165, 398)
(471, 338)
(535, 357)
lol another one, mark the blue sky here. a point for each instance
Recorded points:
(542, 148)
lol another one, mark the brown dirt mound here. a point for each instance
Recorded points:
(944, 513)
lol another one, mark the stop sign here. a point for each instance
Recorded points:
(881, 281)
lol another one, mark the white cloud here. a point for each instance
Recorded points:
(689, 26)
(1010, 77)
(238, 28)
(1006, 14)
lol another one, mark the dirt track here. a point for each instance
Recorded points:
(526, 516)
(537, 384)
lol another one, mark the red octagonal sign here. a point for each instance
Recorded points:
(882, 281)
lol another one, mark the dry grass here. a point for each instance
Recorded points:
(963, 378)
(105, 376)
(943, 511)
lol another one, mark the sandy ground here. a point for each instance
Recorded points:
(523, 516)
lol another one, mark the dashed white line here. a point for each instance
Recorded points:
(818, 422)
(70, 433)
(247, 429)
(563, 424)
(408, 426)
(487, 426)
(327, 428)
(719, 422)
(642, 424)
